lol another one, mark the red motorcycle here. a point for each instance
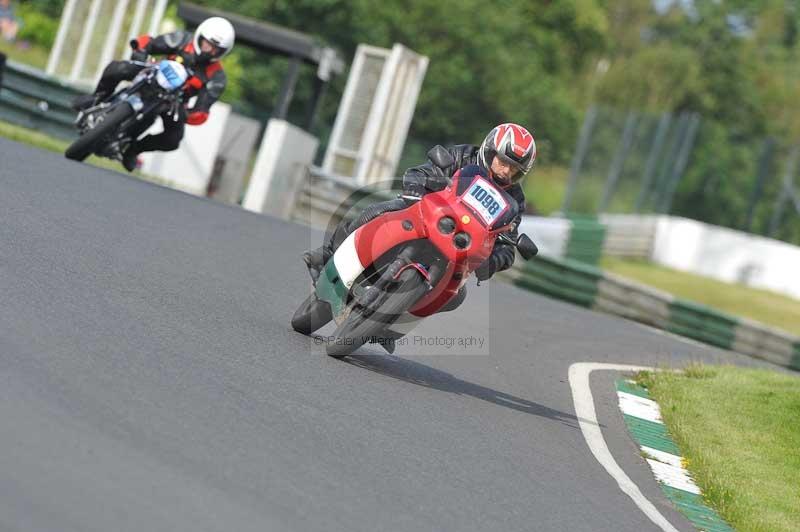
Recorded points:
(407, 264)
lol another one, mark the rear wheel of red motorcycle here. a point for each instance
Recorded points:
(311, 315)
(357, 328)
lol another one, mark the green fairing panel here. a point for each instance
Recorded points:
(331, 289)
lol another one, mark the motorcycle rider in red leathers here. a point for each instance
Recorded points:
(506, 155)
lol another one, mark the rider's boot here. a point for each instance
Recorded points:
(84, 101)
(130, 158)
(105, 87)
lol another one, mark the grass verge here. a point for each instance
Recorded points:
(761, 305)
(22, 53)
(738, 431)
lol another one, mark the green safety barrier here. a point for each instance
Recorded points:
(564, 279)
(586, 239)
(702, 323)
(588, 286)
(32, 99)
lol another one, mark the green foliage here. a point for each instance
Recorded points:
(37, 26)
(50, 8)
(516, 60)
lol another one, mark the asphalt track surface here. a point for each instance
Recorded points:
(149, 380)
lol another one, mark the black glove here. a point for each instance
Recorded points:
(138, 54)
(485, 270)
(414, 185)
(414, 189)
(436, 183)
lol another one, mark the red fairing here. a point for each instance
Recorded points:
(386, 231)
(195, 119)
(380, 235)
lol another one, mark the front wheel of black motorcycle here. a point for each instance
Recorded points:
(87, 143)
(360, 325)
(311, 315)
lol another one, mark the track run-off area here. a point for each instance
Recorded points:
(149, 380)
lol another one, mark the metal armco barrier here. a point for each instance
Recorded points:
(32, 99)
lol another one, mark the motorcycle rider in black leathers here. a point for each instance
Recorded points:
(506, 155)
(201, 51)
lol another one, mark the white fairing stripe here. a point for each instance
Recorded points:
(346, 260)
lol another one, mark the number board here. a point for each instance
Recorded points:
(173, 77)
(485, 200)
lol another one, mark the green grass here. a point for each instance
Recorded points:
(545, 187)
(761, 305)
(46, 142)
(33, 55)
(739, 433)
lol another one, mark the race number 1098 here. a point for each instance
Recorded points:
(488, 203)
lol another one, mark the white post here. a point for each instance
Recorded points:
(138, 17)
(61, 36)
(83, 47)
(419, 66)
(111, 39)
(283, 148)
(158, 14)
(375, 119)
(344, 110)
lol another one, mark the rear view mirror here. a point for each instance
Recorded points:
(439, 156)
(526, 247)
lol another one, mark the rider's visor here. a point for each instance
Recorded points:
(209, 48)
(515, 166)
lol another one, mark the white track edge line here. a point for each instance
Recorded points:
(587, 419)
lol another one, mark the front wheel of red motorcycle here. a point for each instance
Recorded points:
(362, 324)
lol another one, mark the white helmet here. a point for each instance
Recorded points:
(219, 32)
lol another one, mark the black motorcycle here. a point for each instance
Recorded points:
(108, 127)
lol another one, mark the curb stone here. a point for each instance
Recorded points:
(643, 419)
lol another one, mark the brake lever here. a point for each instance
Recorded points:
(410, 198)
(507, 239)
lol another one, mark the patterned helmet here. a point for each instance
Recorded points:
(513, 144)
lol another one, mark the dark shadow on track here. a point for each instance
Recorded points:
(422, 375)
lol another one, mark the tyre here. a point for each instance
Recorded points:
(87, 143)
(357, 329)
(311, 315)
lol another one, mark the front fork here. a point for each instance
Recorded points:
(403, 262)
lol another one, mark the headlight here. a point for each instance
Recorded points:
(446, 225)
(462, 240)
